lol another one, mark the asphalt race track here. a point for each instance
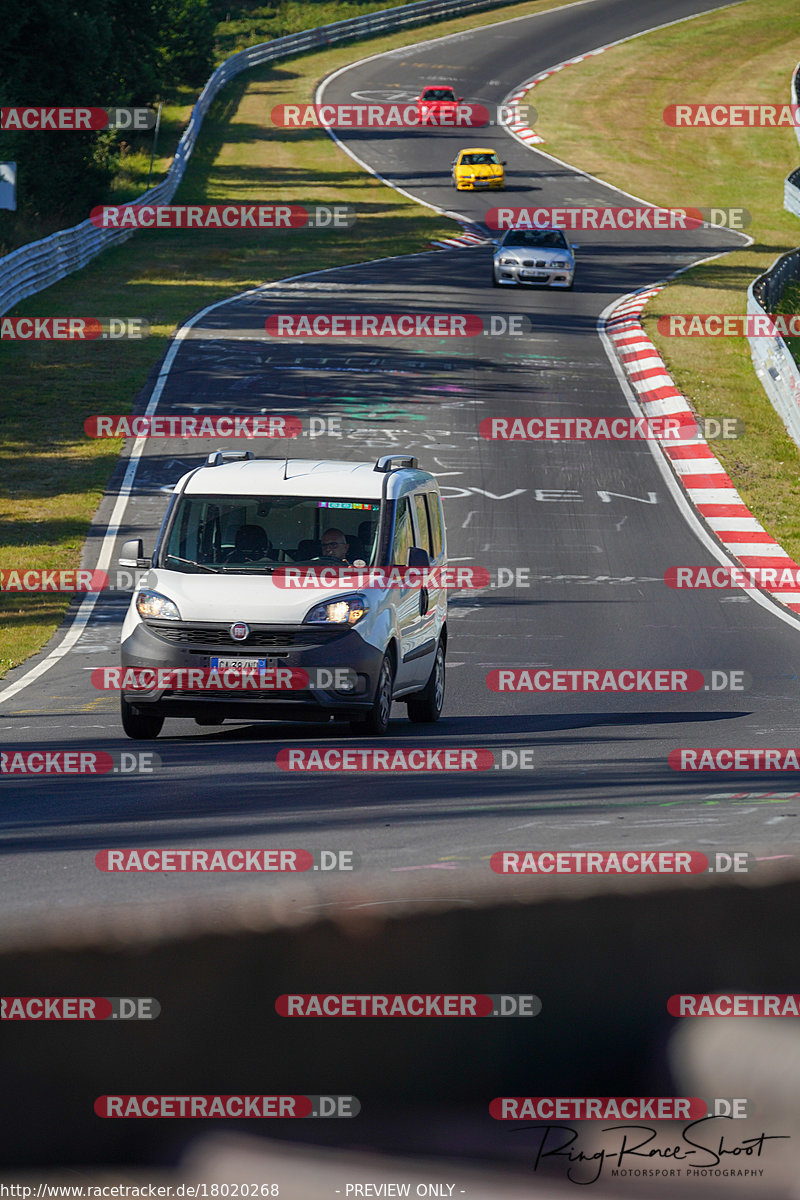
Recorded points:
(596, 525)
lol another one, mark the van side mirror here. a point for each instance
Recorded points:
(417, 557)
(132, 554)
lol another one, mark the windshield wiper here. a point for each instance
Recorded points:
(251, 568)
(191, 563)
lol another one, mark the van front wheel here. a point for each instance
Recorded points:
(377, 722)
(426, 706)
(143, 727)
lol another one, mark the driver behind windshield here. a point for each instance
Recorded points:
(334, 544)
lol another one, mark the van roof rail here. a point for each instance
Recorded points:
(217, 457)
(395, 462)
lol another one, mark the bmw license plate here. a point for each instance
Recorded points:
(537, 275)
(247, 666)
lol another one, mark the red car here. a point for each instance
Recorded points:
(437, 106)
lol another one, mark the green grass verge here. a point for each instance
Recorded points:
(51, 476)
(743, 54)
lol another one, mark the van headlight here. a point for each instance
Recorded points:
(344, 610)
(154, 605)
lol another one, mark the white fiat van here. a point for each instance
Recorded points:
(209, 601)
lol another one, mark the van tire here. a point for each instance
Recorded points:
(377, 720)
(426, 706)
(142, 727)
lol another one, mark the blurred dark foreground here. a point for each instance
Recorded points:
(603, 955)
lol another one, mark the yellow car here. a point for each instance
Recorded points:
(478, 167)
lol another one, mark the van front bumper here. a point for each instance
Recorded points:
(192, 646)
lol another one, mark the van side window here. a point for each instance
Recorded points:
(435, 511)
(423, 524)
(403, 534)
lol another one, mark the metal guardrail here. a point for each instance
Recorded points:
(791, 186)
(37, 265)
(791, 191)
(772, 359)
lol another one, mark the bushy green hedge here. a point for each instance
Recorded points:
(95, 52)
(92, 53)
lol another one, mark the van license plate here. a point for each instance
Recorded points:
(245, 665)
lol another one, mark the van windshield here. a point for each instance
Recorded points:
(254, 534)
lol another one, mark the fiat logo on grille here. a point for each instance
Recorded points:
(240, 631)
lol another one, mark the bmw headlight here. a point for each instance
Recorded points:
(508, 262)
(344, 610)
(153, 604)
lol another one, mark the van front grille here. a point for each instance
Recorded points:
(220, 635)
